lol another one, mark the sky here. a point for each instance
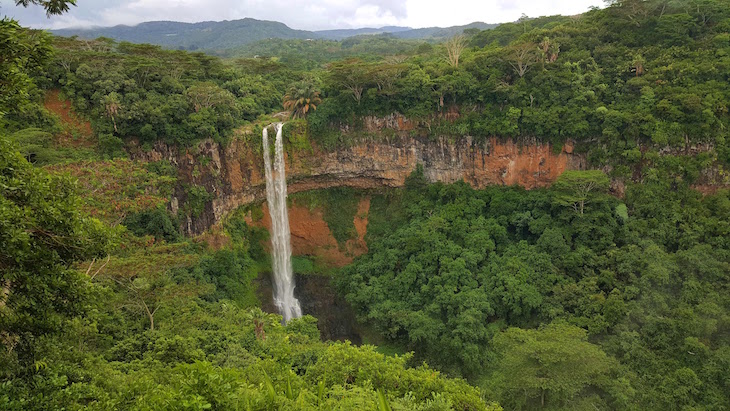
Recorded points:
(298, 14)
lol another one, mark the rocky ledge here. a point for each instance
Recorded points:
(233, 175)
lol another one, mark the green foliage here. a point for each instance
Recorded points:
(549, 368)
(156, 222)
(240, 359)
(114, 189)
(42, 233)
(209, 36)
(310, 54)
(560, 299)
(38, 148)
(623, 289)
(35, 145)
(159, 329)
(162, 168)
(430, 282)
(303, 265)
(575, 189)
(150, 94)
(636, 90)
(111, 146)
(196, 199)
(52, 7)
(231, 272)
(23, 53)
(301, 98)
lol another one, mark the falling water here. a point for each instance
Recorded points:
(284, 298)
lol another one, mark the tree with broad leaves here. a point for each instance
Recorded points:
(208, 95)
(549, 367)
(351, 75)
(578, 188)
(52, 7)
(22, 52)
(42, 234)
(522, 57)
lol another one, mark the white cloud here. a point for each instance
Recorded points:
(426, 13)
(311, 15)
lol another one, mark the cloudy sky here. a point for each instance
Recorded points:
(298, 14)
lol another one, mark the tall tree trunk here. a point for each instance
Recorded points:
(4, 292)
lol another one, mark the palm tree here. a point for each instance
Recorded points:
(301, 98)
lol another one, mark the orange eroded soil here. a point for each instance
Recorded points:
(310, 235)
(77, 132)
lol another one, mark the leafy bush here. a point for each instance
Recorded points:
(156, 222)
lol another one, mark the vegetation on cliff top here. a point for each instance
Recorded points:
(547, 299)
(638, 84)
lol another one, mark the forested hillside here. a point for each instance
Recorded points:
(214, 36)
(608, 290)
(636, 89)
(210, 35)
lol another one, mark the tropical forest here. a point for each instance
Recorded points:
(237, 215)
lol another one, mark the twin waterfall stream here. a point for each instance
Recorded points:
(284, 298)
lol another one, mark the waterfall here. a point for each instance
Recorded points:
(284, 298)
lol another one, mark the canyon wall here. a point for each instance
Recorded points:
(311, 236)
(233, 175)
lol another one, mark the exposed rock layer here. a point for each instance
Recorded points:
(311, 236)
(233, 175)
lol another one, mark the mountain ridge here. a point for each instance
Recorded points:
(227, 34)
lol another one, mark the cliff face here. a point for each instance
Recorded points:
(234, 174)
(311, 236)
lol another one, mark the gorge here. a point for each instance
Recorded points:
(532, 217)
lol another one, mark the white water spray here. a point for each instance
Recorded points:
(284, 298)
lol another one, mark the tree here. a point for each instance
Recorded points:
(522, 57)
(53, 7)
(112, 104)
(578, 188)
(454, 47)
(21, 53)
(634, 11)
(42, 234)
(146, 294)
(352, 75)
(385, 76)
(301, 98)
(208, 95)
(550, 49)
(637, 65)
(551, 365)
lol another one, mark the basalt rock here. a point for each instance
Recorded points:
(233, 175)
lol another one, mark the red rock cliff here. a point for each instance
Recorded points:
(234, 174)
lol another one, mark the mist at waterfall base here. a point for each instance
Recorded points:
(283, 273)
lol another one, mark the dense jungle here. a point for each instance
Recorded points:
(532, 216)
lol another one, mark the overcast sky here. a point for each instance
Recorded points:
(305, 15)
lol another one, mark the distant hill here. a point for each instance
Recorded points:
(222, 35)
(441, 32)
(209, 35)
(345, 33)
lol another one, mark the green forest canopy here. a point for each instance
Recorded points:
(638, 83)
(561, 298)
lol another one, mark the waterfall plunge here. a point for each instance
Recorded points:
(284, 298)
